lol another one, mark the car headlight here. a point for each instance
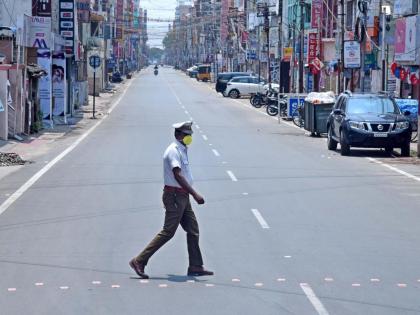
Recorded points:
(357, 125)
(402, 125)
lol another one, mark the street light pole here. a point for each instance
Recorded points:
(302, 43)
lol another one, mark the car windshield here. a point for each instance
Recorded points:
(376, 105)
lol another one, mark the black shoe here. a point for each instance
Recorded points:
(197, 271)
(138, 268)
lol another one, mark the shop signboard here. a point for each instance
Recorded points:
(66, 24)
(352, 56)
(41, 7)
(293, 101)
(120, 19)
(44, 86)
(407, 34)
(405, 7)
(83, 10)
(59, 84)
(36, 31)
(312, 46)
(316, 13)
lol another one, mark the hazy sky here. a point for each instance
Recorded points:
(164, 9)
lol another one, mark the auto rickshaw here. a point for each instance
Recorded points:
(204, 73)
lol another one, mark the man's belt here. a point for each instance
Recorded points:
(174, 189)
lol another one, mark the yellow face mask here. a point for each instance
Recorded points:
(187, 140)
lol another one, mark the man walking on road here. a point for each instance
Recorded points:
(178, 187)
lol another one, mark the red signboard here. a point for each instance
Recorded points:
(312, 47)
(316, 13)
(120, 19)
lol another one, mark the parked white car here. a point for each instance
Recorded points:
(244, 86)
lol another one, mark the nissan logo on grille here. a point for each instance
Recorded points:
(380, 127)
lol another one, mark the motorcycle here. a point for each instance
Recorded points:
(273, 106)
(156, 72)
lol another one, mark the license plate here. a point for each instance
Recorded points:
(380, 135)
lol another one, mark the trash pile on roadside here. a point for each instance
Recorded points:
(10, 159)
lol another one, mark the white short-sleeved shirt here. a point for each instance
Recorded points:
(176, 155)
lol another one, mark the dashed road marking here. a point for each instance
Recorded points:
(163, 285)
(245, 194)
(186, 112)
(144, 281)
(115, 286)
(375, 280)
(287, 256)
(355, 284)
(39, 284)
(315, 301)
(281, 279)
(401, 285)
(209, 285)
(205, 137)
(64, 287)
(232, 176)
(96, 282)
(236, 280)
(328, 279)
(215, 152)
(259, 284)
(197, 126)
(11, 289)
(260, 219)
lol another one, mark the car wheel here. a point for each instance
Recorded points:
(234, 94)
(345, 147)
(331, 143)
(405, 149)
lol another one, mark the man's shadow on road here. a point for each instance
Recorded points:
(174, 278)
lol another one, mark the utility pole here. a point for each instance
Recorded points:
(264, 11)
(383, 26)
(280, 45)
(302, 43)
(363, 7)
(341, 61)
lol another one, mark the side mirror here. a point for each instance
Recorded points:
(338, 112)
(407, 113)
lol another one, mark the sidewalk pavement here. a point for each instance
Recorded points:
(34, 146)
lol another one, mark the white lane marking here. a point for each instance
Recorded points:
(236, 280)
(11, 289)
(281, 279)
(329, 279)
(402, 285)
(316, 303)
(183, 107)
(375, 280)
(64, 287)
(39, 284)
(115, 286)
(205, 137)
(18, 193)
(395, 169)
(186, 112)
(355, 284)
(96, 282)
(210, 144)
(215, 152)
(260, 219)
(232, 176)
(245, 194)
(209, 285)
(259, 284)
(197, 126)
(287, 256)
(176, 96)
(144, 281)
(163, 285)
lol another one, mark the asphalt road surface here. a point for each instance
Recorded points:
(288, 227)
